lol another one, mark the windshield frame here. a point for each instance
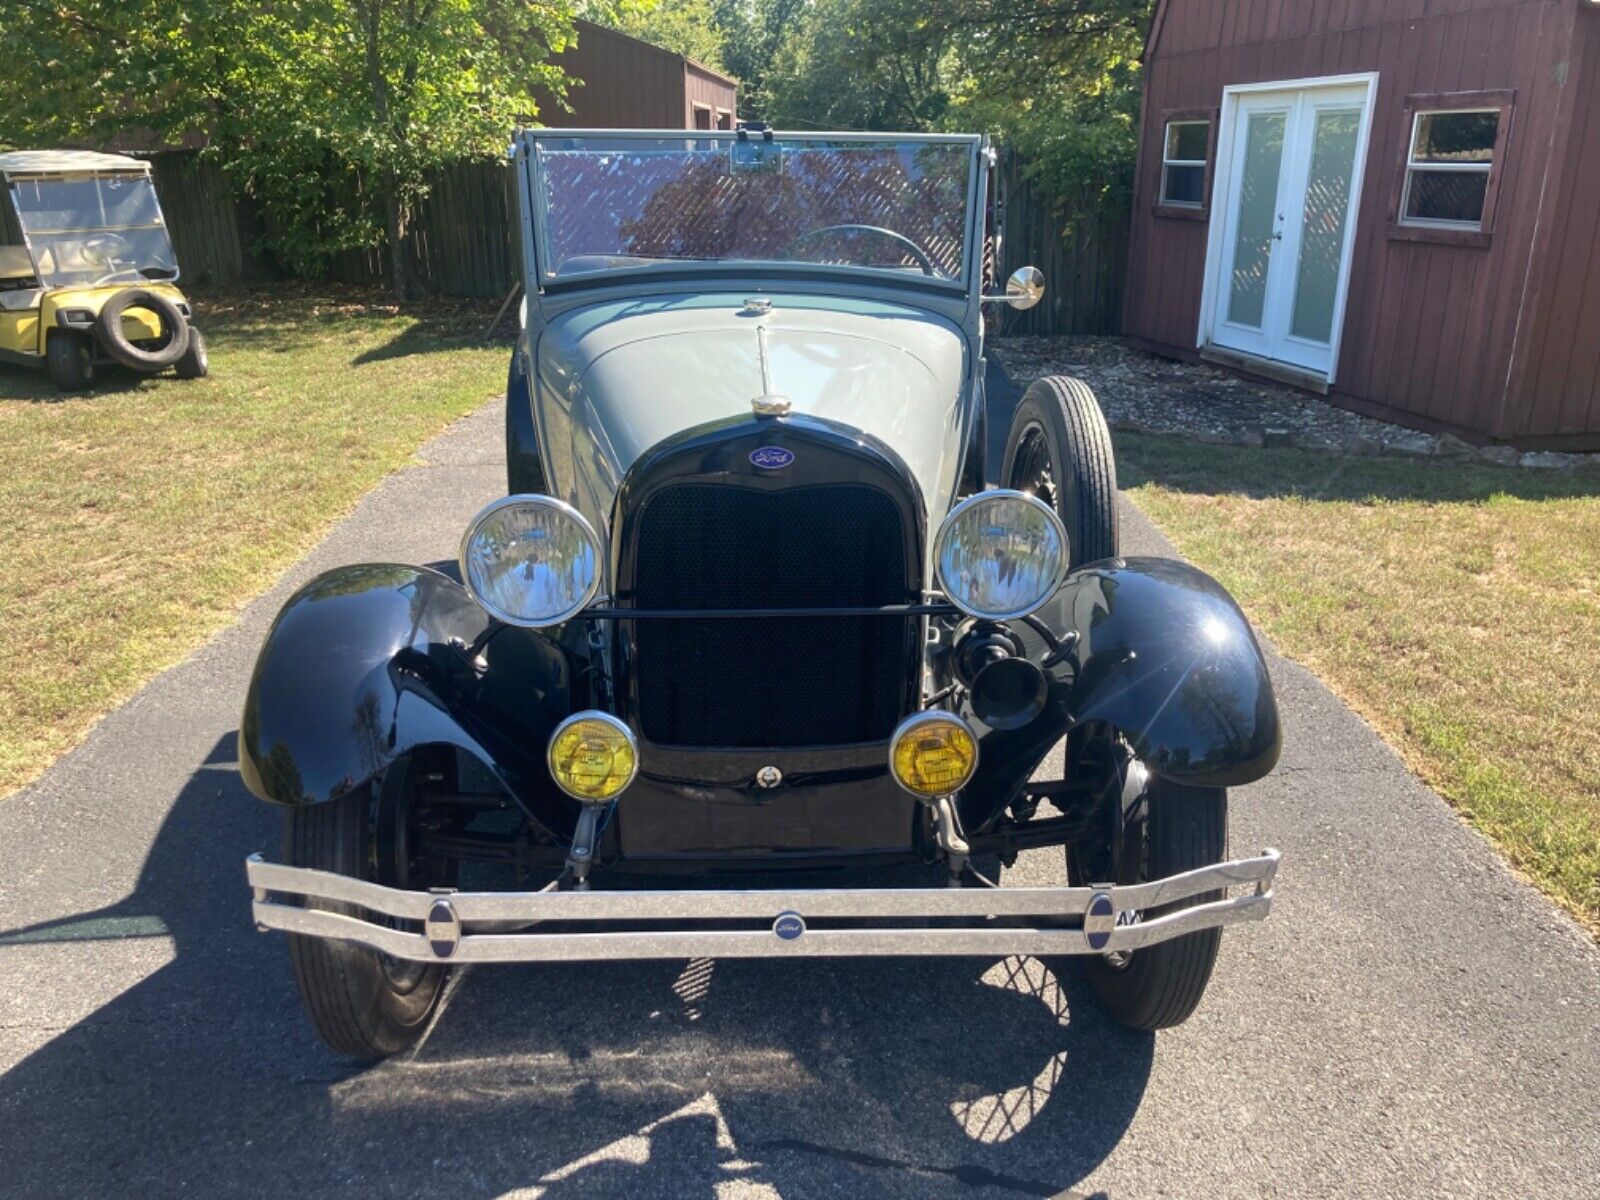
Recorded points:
(534, 220)
(59, 279)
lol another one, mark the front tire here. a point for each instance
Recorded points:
(70, 358)
(195, 363)
(361, 1003)
(1059, 449)
(1160, 986)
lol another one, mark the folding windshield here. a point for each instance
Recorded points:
(898, 207)
(93, 227)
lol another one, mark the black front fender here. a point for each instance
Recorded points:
(367, 662)
(1163, 656)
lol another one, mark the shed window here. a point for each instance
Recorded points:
(702, 116)
(1448, 168)
(1183, 163)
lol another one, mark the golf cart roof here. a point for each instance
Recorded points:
(58, 162)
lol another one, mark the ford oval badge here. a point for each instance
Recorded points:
(789, 925)
(1099, 921)
(773, 458)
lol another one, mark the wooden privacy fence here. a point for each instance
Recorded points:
(462, 236)
(463, 240)
(1081, 246)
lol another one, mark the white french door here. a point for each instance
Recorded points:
(1289, 178)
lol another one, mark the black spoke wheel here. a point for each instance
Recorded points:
(363, 1003)
(1166, 829)
(1059, 449)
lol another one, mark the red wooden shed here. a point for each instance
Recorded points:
(620, 82)
(1395, 202)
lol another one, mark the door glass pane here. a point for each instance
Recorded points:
(1258, 203)
(1327, 214)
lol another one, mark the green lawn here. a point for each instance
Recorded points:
(1456, 607)
(138, 518)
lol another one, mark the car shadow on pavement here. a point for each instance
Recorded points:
(914, 1077)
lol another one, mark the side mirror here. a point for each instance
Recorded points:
(1024, 289)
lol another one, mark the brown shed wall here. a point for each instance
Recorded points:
(630, 84)
(1429, 328)
(1555, 396)
(704, 87)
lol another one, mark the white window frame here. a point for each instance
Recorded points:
(1168, 163)
(1486, 169)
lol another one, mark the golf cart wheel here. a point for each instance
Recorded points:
(194, 364)
(362, 1003)
(70, 358)
(1059, 449)
(108, 330)
(1159, 986)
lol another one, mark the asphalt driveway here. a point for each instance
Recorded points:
(1411, 1020)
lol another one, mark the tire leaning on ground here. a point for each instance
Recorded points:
(1161, 985)
(108, 330)
(70, 358)
(1059, 448)
(195, 364)
(362, 1003)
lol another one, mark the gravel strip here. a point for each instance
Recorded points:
(1142, 393)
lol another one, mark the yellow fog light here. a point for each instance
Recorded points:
(933, 754)
(592, 757)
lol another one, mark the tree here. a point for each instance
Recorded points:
(1056, 79)
(844, 66)
(329, 113)
(752, 33)
(687, 27)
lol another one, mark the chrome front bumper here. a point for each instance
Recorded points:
(482, 927)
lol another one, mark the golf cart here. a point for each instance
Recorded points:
(87, 273)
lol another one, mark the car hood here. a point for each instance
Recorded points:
(617, 378)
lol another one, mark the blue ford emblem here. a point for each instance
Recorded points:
(1099, 921)
(773, 458)
(442, 928)
(789, 925)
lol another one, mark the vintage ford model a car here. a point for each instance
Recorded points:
(87, 272)
(750, 608)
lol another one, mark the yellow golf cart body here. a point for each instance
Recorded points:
(79, 231)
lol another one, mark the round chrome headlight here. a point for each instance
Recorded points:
(531, 560)
(1000, 554)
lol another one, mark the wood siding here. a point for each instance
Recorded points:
(629, 84)
(1555, 395)
(1431, 328)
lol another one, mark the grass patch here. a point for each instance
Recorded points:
(1456, 607)
(139, 517)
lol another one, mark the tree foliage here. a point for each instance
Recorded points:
(687, 27)
(1056, 79)
(753, 32)
(329, 113)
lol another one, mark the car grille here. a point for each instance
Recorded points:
(770, 681)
